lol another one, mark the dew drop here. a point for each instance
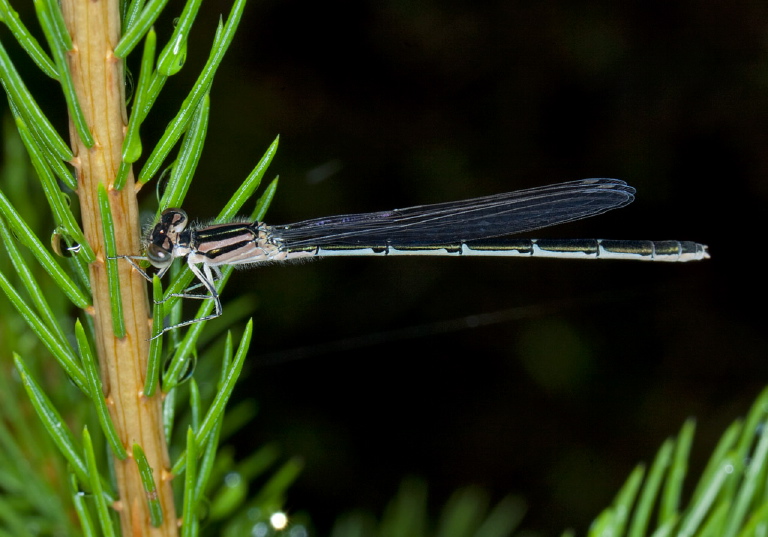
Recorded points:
(162, 183)
(190, 363)
(63, 245)
(129, 86)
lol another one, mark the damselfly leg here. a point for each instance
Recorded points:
(206, 278)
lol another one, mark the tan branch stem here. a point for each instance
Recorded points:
(94, 26)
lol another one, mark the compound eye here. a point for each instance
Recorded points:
(159, 256)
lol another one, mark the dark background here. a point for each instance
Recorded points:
(369, 368)
(406, 103)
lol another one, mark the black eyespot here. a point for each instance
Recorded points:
(173, 220)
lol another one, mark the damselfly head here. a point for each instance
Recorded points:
(163, 237)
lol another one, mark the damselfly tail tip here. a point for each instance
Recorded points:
(693, 251)
(696, 252)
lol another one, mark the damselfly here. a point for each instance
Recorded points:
(459, 228)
